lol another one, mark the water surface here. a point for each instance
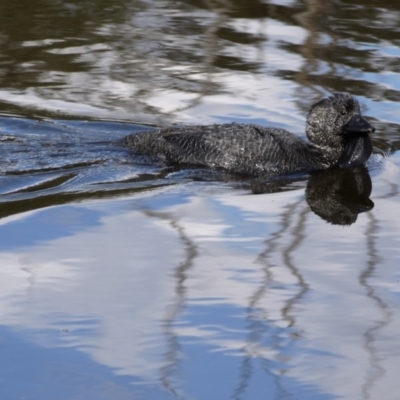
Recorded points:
(121, 279)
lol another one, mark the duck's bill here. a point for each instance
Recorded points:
(358, 124)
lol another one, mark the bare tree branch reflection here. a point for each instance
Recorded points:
(172, 313)
(211, 50)
(298, 237)
(310, 50)
(258, 326)
(257, 319)
(377, 370)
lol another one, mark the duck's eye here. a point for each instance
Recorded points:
(348, 107)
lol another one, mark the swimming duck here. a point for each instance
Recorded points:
(338, 136)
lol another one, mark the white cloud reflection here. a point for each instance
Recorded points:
(121, 287)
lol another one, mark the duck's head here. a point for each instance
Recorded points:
(335, 126)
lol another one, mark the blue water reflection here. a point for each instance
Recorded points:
(124, 280)
(61, 373)
(49, 225)
(218, 288)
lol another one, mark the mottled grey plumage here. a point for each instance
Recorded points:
(337, 133)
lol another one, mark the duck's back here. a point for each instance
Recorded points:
(246, 149)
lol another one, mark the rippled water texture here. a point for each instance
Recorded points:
(121, 279)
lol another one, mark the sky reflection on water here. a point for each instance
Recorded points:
(206, 300)
(121, 280)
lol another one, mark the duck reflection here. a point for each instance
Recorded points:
(339, 195)
(335, 195)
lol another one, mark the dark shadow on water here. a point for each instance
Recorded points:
(8, 208)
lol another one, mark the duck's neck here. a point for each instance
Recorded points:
(325, 156)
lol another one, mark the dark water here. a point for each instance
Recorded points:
(124, 280)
